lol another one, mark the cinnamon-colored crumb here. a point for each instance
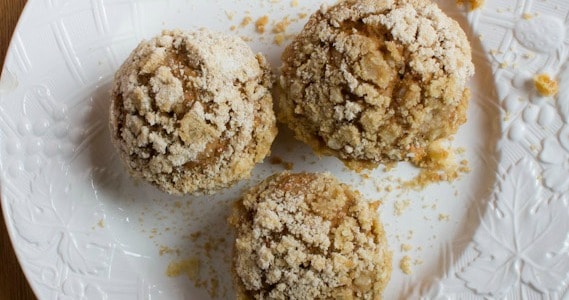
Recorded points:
(281, 26)
(246, 21)
(261, 23)
(276, 160)
(279, 39)
(189, 267)
(473, 4)
(437, 164)
(527, 16)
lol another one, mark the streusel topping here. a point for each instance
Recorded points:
(192, 111)
(307, 236)
(376, 81)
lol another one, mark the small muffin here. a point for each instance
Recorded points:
(308, 236)
(191, 112)
(376, 81)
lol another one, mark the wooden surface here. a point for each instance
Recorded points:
(13, 284)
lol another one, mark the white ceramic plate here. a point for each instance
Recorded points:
(82, 228)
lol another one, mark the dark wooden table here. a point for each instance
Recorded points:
(13, 284)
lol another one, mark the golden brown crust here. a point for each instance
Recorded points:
(361, 84)
(307, 236)
(192, 112)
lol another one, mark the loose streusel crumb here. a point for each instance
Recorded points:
(527, 16)
(359, 84)
(261, 23)
(307, 236)
(545, 85)
(406, 247)
(400, 206)
(279, 39)
(281, 26)
(246, 21)
(405, 265)
(275, 160)
(189, 267)
(192, 112)
(473, 4)
(167, 250)
(437, 164)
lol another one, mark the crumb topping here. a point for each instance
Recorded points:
(192, 111)
(307, 236)
(376, 81)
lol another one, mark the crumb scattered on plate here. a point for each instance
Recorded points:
(406, 247)
(246, 20)
(400, 206)
(527, 16)
(277, 160)
(189, 267)
(472, 4)
(545, 85)
(261, 23)
(438, 164)
(405, 265)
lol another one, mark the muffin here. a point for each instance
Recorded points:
(191, 112)
(376, 81)
(307, 236)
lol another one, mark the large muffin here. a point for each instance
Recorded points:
(307, 236)
(192, 112)
(376, 81)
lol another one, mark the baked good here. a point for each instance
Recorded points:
(191, 112)
(308, 236)
(376, 81)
